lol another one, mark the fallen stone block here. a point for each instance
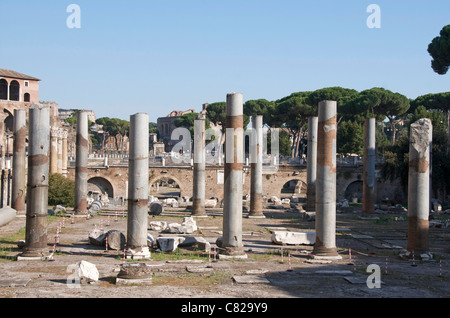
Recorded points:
(156, 208)
(293, 238)
(309, 216)
(157, 225)
(249, 279)
(116, 239)
(199, 243)
(169, 244)
(188, 226)
(151, 241)
(210, 203)
(87, 272)
(7, 214)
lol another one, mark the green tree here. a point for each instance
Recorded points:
(339, 94)
(292, 112)
(61, 190)
(217, 114)
(350, 138)
(439, 102)
(187, 121)
(439, 49)
(381, 104)
(114, 126)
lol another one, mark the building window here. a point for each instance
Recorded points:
(26, 97)
(14, 90)
(3, 89)
(26, 83)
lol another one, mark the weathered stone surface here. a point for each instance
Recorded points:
(157, 225)
(188, 226)
(169, 244)
(116, 239)
(155, 208)
(96, 237)
(87, 271)
(293, 238)
(151, 241)
(135, 271)
(198, 242)
(250, 279)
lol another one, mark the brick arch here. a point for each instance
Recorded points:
(354, 189)
(103, 184)
(168, 176)
(300, 187)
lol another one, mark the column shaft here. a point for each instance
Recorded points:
(256, 149)
(81, 163)
(19, 161)
(419, 185)
(311, 175)
(325, 245)
(198, 204)
(37, 187)
(232, 208)
(138, 187)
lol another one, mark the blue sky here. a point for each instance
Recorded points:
(158, 56)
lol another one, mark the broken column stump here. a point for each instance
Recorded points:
(419, 185)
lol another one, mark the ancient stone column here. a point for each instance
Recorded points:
(81, 163)
(138, 188)
(311, 174)
(369, 167)
(37, 187)
(325, 245)
(198, 204)
(256, 149)
(418, 185)
(54, 150)
(232, 206)
(64, 152)
(59, 145)
(19, 161)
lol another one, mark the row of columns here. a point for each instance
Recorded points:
(325, 179)
(58, 150)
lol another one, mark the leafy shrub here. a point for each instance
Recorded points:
(61, 190)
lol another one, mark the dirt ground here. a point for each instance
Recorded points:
(185, 273)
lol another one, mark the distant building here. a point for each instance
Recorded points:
(116, 144)
(166, 126)
(66, 113)
(17, 91)
(18, 87)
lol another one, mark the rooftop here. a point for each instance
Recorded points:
(14, 74)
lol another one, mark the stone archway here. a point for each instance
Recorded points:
(172, 186)
(354, 191)
(294, 186)
(102, 185)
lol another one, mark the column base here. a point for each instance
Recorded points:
(199, 215)
(256, 216)
(138, 253)
(232, 252)
(33, 255)
(324, 253)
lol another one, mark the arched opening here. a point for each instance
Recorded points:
(14, 90)
(165, 187)
(3, 89)
(99, 184)
(294, 186)
(354, 191)
(26, 97)
(8, 123)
